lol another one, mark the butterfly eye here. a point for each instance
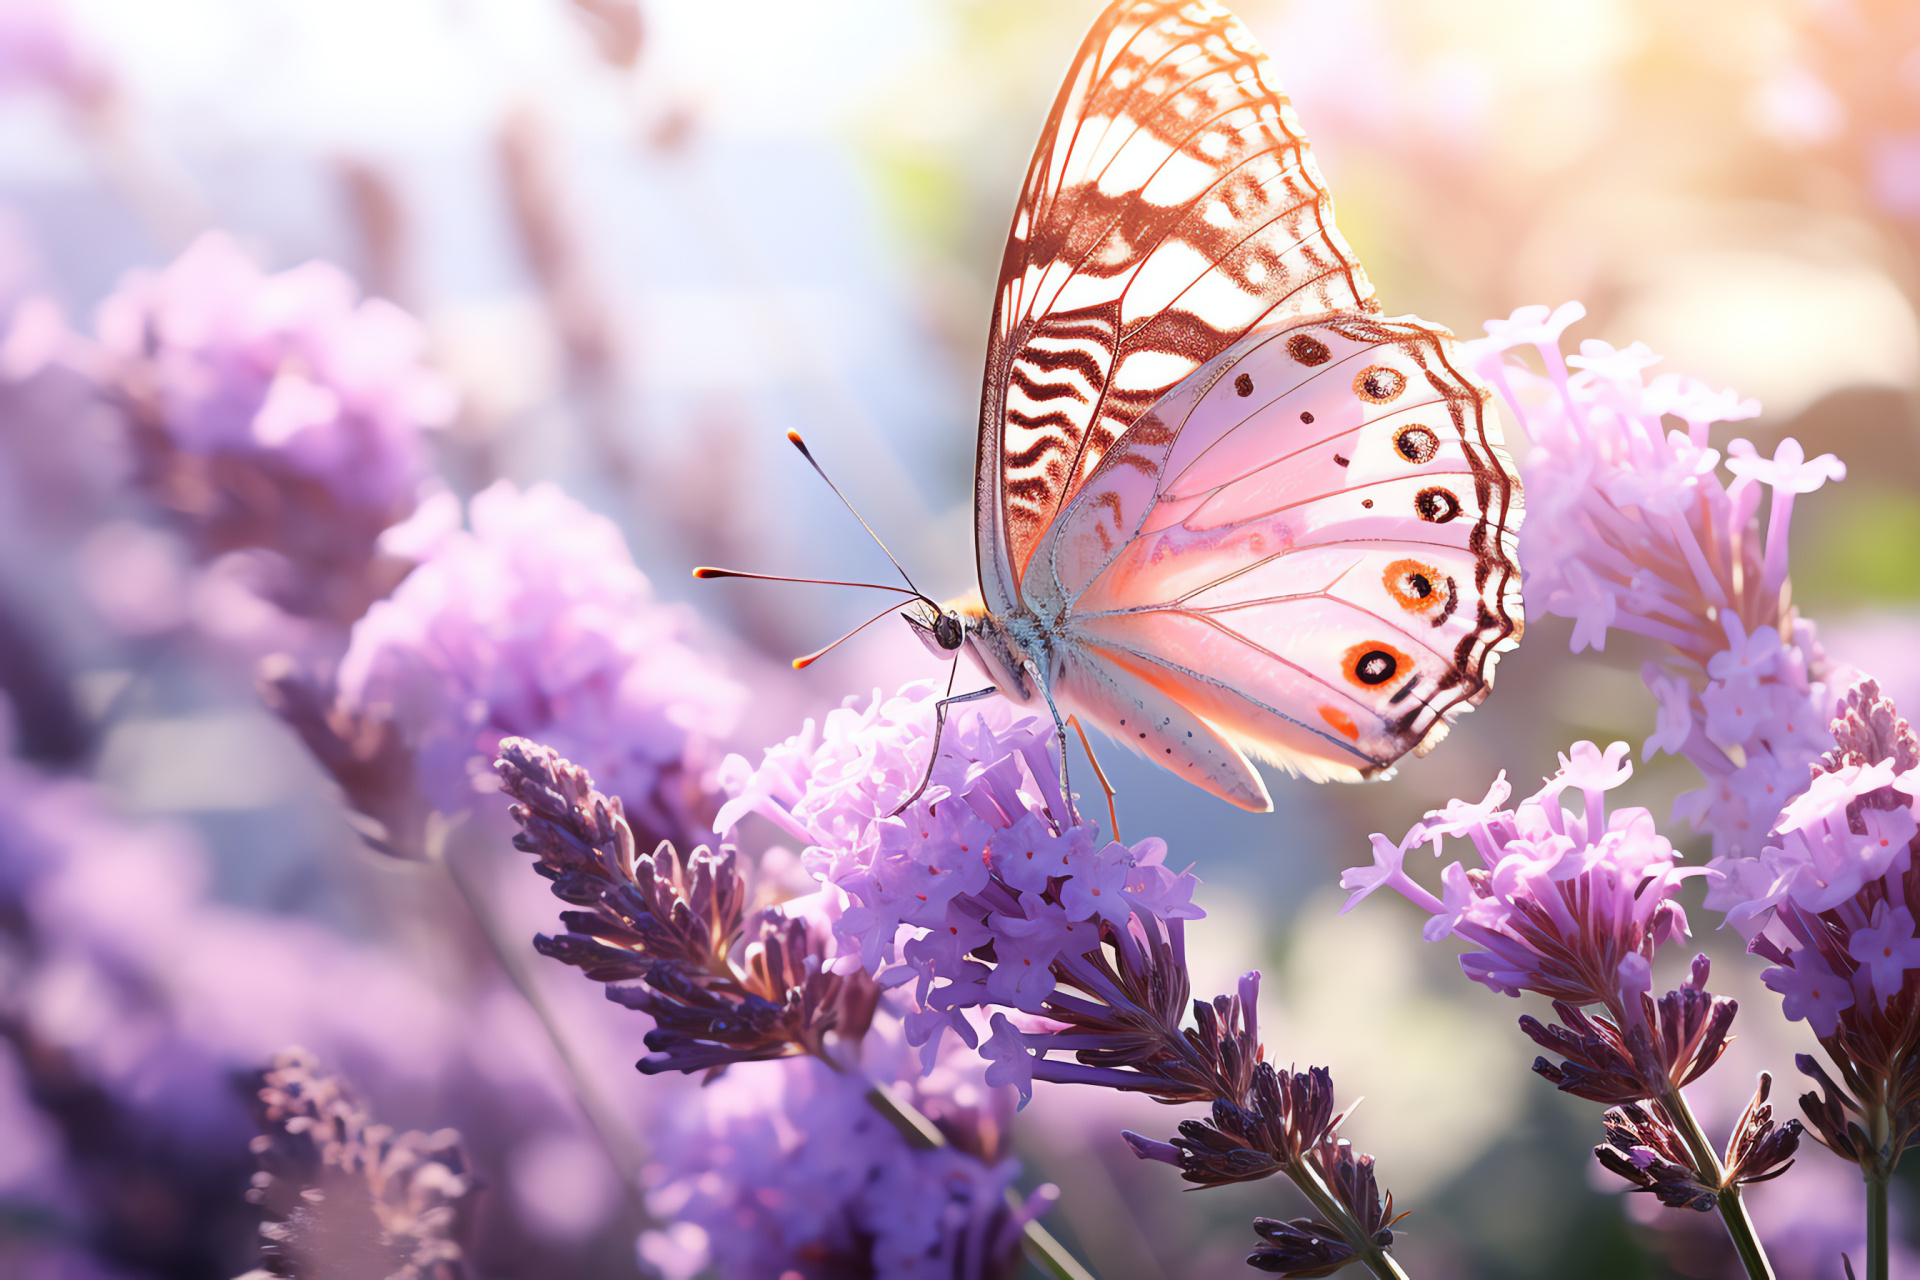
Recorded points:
(1416, 444)
(948, 631)
(1371, 663)
(1436, 505)
(1413, 585)
(1379, 384)
(1307, 349)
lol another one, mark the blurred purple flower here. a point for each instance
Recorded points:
(129, 1000)
(787, 1169)
(1633, 529)
(274, 412)
(348, 1199)
(39, 48)
(534, 621)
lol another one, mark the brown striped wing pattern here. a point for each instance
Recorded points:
(1172, 206)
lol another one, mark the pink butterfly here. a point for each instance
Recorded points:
(1222, 506)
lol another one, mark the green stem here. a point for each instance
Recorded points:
(617, 1139)
(1733, 1209)
(1367, 1253)
(1046, 1252)
(1877, 1266)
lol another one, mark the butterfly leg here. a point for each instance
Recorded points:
(1060, 732)
(939, 727)
(1113, 814)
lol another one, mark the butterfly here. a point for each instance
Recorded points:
(1224, 507)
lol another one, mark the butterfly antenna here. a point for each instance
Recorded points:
(808, 660)
(801, 445)
(708, 571)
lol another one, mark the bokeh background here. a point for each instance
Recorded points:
(645, 241)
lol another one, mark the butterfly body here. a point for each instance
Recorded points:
(1223, 506)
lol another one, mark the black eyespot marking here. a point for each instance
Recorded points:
(1436, 505)
(1307, 349)
(1306, 416)
(1418, 586)
(1379, 383)
(1400, 695)
(1416, 444)
(1376, 666)
(1342, 461)
(1243, 385)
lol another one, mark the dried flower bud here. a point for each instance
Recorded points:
(348, 1199)
(1827, 1113)
(1644, 1148)
(1678, 1038)
(1303, 1247)
(1757, 1151)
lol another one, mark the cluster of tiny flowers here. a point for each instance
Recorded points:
(788, 1169)
(1574, 907)
(1833, 909)
(348, 1199)
(273, 411)
(988, 861)
(1632, 528)
(535, 621)
(990, 895)
(792, 1168)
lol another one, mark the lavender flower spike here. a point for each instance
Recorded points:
(347, 1199)
(661, 929)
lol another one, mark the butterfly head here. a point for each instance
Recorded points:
(942, 630)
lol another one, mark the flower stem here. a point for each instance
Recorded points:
(1733, 1209)
(1366, 1252)
(1877, 1266)
(622, 1149)
(1046, 1252)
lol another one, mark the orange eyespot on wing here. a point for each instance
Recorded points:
(1372, 663)
(1379, 383)
(1416, 444)
(1415, 586)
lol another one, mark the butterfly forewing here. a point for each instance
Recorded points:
(1310, 543)
(1172, 207)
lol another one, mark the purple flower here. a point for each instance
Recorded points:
(274, 412)
(1812, 992)
(535, 622)
(1633, 529)
(1886, 949)
(984, 856)
(1574, 907)
(788, 1169)
(345, 1197)
(1559, 900)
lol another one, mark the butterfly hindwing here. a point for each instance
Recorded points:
(1172, 207)
(1310, 543)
